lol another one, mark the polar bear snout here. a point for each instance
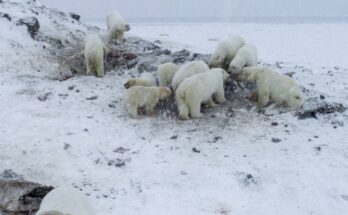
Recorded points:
(129, 84)
(127, 27)
(165, 93)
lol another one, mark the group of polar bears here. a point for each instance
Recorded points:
(196, 83)
(94, 47)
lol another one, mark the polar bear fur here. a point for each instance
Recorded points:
(64, 201)
(246, 57)
(94, 55)
(225, 52)
(116, 27)
(145, 79)
(195, 90)
(166, 73)
(140, 96)
(188, 70)
(273, 86)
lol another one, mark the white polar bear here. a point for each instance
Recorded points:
(145, 79)
(166, 73)
(116, 27)
(245, 57)
(94, 55)
(140, 96)
(197, 89)
(225, 52)
(273, 86)
(188, 70)
(65, 200)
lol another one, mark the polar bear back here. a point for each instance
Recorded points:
(66, 200)
(188, 70)
(246, 56)
(166, 73)
(226, 51)
(201, 85)
(93, 46)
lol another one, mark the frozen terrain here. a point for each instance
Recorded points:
(233, 161)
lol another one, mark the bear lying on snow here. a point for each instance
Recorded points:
(116, 27)
(148, 97)
(166, 73)
(195, 90)
(273, 86)
(65, 200)
(94, 55)
(225, 52)
(188, 70)
(145, 79)
(246, 56)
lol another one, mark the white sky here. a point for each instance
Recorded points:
(205, 8)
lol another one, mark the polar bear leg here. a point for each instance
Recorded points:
(220, 94)
(88, 65)
(195, 108)
(263, 96)
(100, 67)
(150, 109)
(119, 36)
(133, 110)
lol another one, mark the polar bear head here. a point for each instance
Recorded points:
(216, 60)
(164, 93)
(235, 70)
(124, 27)
(295, 99)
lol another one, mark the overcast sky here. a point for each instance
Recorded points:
(204, 8)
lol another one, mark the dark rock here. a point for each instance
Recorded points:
(44, 96)
(121, 150)
(322, 108)
(322, 97)
(181, 56)
(147, 66)
(274, 123)
(19, 196)
(199, 56)
(174, 137)
(230, 112)
(92, 98)
(32, 24)
(6, 16)
(276, 140)
(195, 150)
(318, 148)
(75, 16)
(66, 146)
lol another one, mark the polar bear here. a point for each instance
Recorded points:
(246, 56)
(140, 96)
(94, 55)
(199, 88)
(273, 86)
(145, 79)
(188, 70)
(225, 52)
(65, 200)
(116, 27)
(166, 73)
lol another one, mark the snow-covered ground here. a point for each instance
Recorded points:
(78, 132)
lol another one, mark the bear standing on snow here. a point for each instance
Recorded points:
(166, 73)
(273, 86)
(65, 200)
(225, 52)
(94, 55)
(245, 57)
(197, 89)
(188, 70)
(139, 96)
(146, 80)
(116, 27)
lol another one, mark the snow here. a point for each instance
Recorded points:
(73, 139)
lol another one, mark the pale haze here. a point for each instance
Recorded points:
(205, 8)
